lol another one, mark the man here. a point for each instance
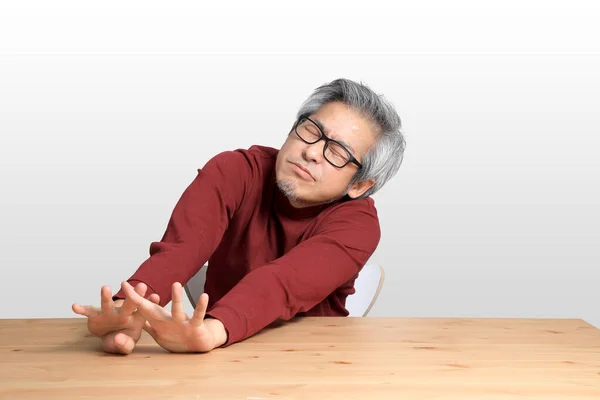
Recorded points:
(285, 232)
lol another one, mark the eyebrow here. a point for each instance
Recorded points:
(322, 127)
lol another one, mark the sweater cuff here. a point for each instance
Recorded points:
(234, 324)
(120, 295)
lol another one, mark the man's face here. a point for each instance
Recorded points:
(324, 182)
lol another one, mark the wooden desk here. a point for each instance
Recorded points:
(321, 358)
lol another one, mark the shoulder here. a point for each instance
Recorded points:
(254, 160)
(362, 209)
(263, 152)
(238, 173)
(355, 222)
(255, 154)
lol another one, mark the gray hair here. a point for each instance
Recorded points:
(382, 161)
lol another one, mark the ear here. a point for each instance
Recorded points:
(358, 188)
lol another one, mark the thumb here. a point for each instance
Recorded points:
(117, 343)
(124, 343)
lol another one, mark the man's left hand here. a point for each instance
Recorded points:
(175, 331)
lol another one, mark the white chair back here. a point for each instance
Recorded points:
(195, 286)
(367, 286)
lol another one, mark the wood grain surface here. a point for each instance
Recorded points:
(316, 358)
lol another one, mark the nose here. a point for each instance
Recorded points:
(314, 152)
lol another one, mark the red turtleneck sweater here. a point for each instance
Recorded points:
(268, 260)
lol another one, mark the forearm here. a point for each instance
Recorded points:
(194, 230)
(297, 281)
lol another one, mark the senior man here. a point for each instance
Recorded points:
(285, 232)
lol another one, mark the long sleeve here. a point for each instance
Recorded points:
(196, 225)
(341, 244)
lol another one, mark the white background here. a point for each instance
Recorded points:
(107, 110)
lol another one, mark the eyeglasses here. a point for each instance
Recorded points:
(334, 152)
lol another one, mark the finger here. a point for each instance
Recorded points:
(155, 298)
(200, 310)
(177, 310)
(86, 311)
(107, 304)
(151, 331)
(129, 306)
(108, 343)
(124, 343)
(146, 308)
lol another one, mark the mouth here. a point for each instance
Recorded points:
(303, 172)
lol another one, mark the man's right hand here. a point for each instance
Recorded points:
(117, 323)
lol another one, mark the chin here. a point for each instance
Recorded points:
(287, 186)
